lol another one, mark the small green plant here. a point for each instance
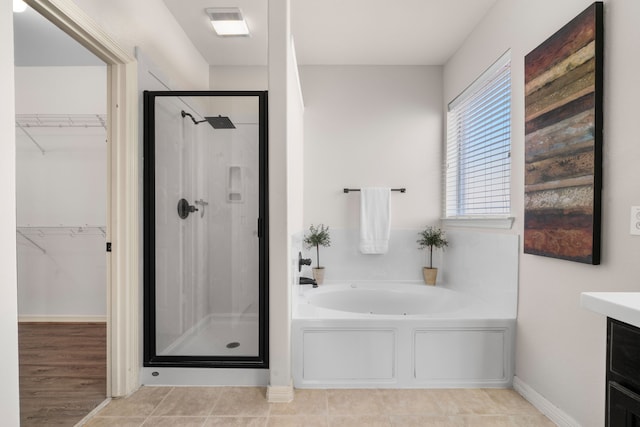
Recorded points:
(430, 238)
(318, 236)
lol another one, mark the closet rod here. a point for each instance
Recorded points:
(32, 242)
(348, 190)
(30, 137)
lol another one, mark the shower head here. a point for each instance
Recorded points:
(219, 122)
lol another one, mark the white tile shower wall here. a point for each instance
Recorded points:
(230, 172)
(173, 137)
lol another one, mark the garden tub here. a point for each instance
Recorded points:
(399, 335)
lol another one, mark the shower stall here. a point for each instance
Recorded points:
(205, 229)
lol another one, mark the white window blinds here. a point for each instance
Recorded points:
(477, 165)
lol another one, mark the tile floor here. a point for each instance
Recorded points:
(247, 406)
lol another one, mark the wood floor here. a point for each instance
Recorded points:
(62, 372)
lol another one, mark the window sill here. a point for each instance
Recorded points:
(502, 223)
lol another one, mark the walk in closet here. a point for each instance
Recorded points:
(61, 220)
(61, 192)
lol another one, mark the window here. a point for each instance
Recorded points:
(477, 164)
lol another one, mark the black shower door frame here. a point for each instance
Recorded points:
(150, 357)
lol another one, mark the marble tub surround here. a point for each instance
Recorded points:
(483, 264)
(247, 406)
(344, 261)
(474, 261)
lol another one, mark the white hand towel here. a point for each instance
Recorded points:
(375, 220)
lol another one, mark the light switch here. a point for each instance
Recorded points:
(635, 220)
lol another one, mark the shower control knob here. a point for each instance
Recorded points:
(302, 261)
(184, 208)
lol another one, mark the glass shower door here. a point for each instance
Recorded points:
(205, 229)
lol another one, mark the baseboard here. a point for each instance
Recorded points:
(555, 414)
(280, 394)
(156, 376)
(61, 319)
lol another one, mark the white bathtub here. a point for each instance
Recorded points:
(399, 335)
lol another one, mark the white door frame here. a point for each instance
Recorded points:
(123, 287)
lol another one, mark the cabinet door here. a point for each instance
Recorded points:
(624, 353)
(624, 407)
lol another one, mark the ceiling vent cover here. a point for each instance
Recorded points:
(228, 21)
(225, 14)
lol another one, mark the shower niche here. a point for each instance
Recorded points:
(205, 229)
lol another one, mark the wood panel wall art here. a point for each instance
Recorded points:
(563, 141)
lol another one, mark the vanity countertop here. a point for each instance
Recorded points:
(622, 306)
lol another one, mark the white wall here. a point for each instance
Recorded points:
(285, 202)
(68, 184)
(66, 187)
(279, 295)
(368, 126)
(239, 77)
(148, 24)
(295, 143)
(561, 347)
(9, 404)
(61, 90)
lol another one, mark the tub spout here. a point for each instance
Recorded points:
(308, 281)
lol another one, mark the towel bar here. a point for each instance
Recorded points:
(347, 190)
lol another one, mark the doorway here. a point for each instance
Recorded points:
(61, 192)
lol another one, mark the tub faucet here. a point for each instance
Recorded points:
(308, 281)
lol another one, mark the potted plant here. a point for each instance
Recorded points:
(430, 238)
(318, 236)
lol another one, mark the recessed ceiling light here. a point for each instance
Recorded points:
(228, 21)
(19, 6)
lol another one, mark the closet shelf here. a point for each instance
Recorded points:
(61, 120)
(28, 233)
(62, 230)
(24, 122)
(44, 252)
